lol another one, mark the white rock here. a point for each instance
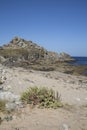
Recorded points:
(20, 82)
(3, 72)
(14, 117)
(6, 88)
(64, 127)
(78, 99)
(85, 98)
(16, 97)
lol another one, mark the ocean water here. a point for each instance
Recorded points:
(79, 61)
(82, 61)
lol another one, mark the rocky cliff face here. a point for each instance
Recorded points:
(19, 52)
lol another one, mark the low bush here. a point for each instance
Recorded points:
(2, 105)
(43, 97)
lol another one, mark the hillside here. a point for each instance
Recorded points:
(21, 53)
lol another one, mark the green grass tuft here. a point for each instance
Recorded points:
(43, 97)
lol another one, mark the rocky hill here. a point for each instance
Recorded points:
(19, 52)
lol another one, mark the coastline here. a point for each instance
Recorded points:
(79, 60)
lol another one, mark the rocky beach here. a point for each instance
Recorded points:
(21, 68)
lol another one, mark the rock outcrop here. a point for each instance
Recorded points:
(19, 52)
(12, 101)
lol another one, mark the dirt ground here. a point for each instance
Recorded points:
(73, 91)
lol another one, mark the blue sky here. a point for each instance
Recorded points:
(57, 25)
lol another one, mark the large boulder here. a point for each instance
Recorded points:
(2, 59)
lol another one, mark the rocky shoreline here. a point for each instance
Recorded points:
(21, 53)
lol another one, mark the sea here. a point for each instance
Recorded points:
(82, 61)
(79, 61)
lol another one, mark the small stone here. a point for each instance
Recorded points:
(85, 98)
(10, 106)
(7, 88)
(16, 128)
(78, 99)
(64, 127)
(19, 104)
(14, 117)
(1, 88)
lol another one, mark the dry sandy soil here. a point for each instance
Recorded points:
(73, 91)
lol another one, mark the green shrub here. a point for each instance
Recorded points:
(43, 97)
(2, 105)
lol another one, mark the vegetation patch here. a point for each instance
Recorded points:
(2, 105)
(1, 82)
(6, 53)
(42, 97)
(43, 68)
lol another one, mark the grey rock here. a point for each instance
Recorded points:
(12, 101)
(3, 78)
(63, 54)
(9, 96)
(1, 88)
(10, 106)
(8, 118)
(2, 59)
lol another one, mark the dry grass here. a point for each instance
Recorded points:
(13, 52)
